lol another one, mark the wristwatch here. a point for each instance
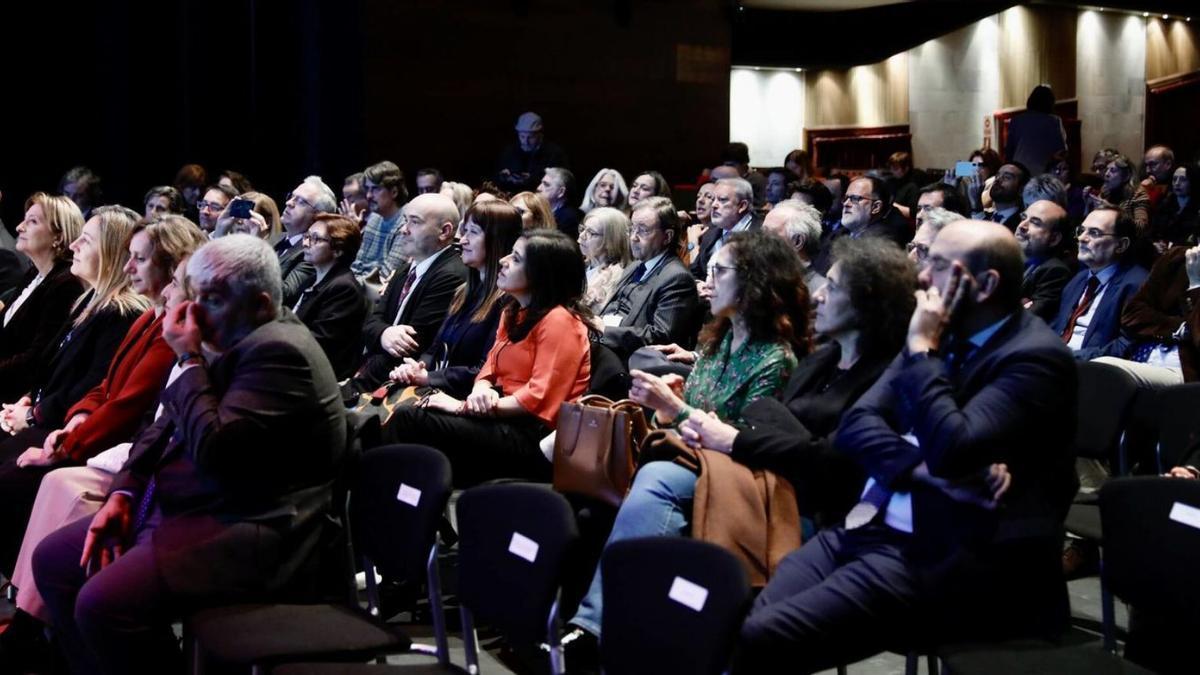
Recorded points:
(188, 356)
(30, 418)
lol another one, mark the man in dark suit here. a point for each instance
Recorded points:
(958, 532)
(866, 212)
(655, 301)
(1042, 234)
(732, 211)
(309, 198)
(557, 186)
(1089, 316)
(1005, 192)
(418, 296)
(224, 496)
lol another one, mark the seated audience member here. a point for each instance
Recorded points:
(929, 223)
(461, 194)
(812, 192)
(557, 187)
(539, 360)
(112, 410)
(489, 191)
(35, 315)
(77, 358)
(262, 223)
(963, 506)
(1005, 194)
(777, 185)
(732, 211)
(736, 156)
(799, 162)
(1159, 164)
(161, 201)
(654, 301)
(523, 163)
(1043, 235)
(940, 195)
(386, 193)
(604, 242)
(429, 180)
(310, 199)
(1047, 187)
(354, 204)
(1162, 323)
(648, 184)
(209, 209)
(905, 183)
(535, 211)
(457, 352)
(1037, 134)
(699, 221)
(82, 186)
(225, 497)
(1101, 159)
(412, 309)
(976, 188)
(760, 327)
(606, 189)
(864, 214)
(1060, 168)
(191, 180)
(65, 495)
(335, 305)
(1177, 219)
(1121, 190)
(1089, 316)
(800, 225)
(235, 181)
(835, 185)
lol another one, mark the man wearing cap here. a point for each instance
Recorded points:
(522, 164)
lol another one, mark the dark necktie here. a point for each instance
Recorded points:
(143, 509)
(1089, 294)
(283, 246)
(997, 218)
(638, 273)
(405, 290)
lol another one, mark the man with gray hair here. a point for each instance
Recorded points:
(1044, 187)
(732, 211)
(556, 186)
(224, 497)
(800, 225)
(303, 204)
(521, 165)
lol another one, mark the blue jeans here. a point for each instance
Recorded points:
(659, 503)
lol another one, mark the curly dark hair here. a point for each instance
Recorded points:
(772, 297)
(554, 270)
(881, 281)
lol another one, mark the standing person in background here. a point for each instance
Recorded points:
(1036, 135)
(522, 164)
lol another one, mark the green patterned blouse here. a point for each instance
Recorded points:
(724, 383)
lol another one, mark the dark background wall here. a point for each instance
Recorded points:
(278, 89)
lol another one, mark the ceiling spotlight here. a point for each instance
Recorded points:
(1165, 17)
(1145, 14)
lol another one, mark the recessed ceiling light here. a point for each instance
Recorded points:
(1165, 17)
(1145, 14)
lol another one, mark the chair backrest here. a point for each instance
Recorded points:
(513, 539)
(398, 498)
(1105, 396)
(1178, 422)
(671, 605)
(1151, 544)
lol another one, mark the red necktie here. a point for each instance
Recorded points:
(1089, 294)
(404, 291)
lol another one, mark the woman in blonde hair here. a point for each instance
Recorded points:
(462, 194)
(76, 359)
(31, 316)
(604, 242)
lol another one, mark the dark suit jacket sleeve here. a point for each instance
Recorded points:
(1121, 343)
(52, 310)
(299, 278)
(434, 303)
(143, 457)
(868, 433)
(1047, 290)
(674, 312)
(337, 319)
(109, 331)
(381, 317)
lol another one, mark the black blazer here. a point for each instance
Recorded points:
(425, 311)
(462, 345)
(1042, 288)
(793, 436)
(75, 365)
(708, 240)
(1011, 401)
(296, 273)
(243, 456)
(33, 327)
(334, 309)
(892, 227)
(568, 218)
(663, 308)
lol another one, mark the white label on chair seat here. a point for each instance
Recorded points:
(523, 547)
(688, 594)
(1188, 515)
(409, 495)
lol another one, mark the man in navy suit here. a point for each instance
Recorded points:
(1089, 316)
(958, 532)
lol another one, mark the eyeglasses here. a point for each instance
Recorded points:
(209, 206)
(316, 239)
(1092, 233)
(715, 269)
(857, 199)
(641, 232)
(921, 250)
(299, 200)
(593, 233)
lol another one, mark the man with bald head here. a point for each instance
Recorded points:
(1042, 234)
(418, 296)
(966, 441)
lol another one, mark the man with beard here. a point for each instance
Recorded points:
(866, 212)
(1006, 196)
(209, 209)
(1041, 235)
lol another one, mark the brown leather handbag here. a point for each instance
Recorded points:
(595, 447)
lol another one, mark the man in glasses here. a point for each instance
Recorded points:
(866, 212)
(1043, 235)
(1089, 316)
(303, 204)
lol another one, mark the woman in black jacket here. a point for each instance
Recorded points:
(335, 306)
(32, 314)
(460, 347)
